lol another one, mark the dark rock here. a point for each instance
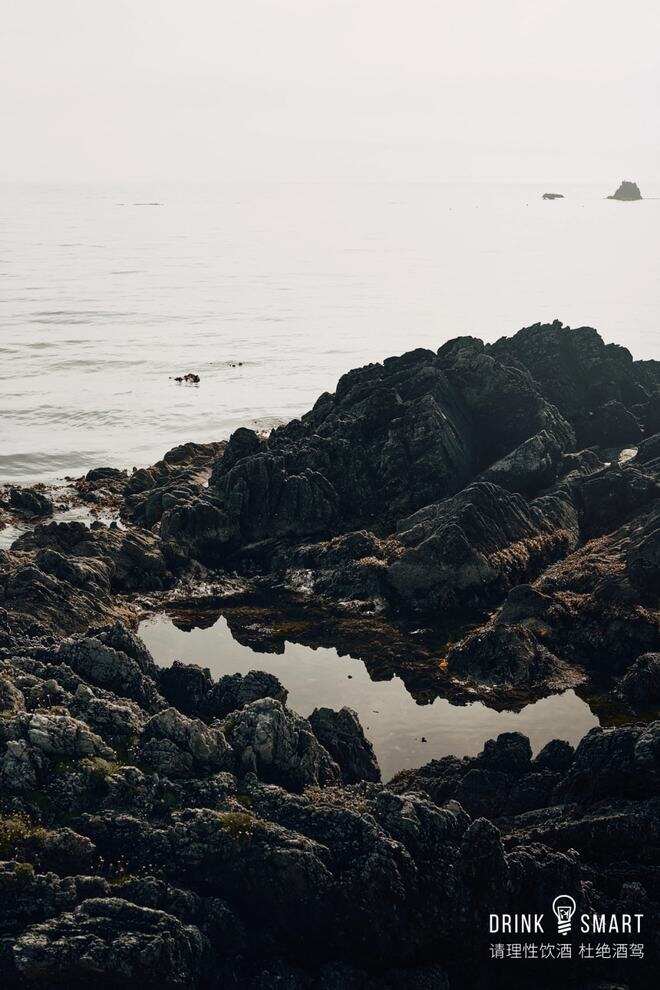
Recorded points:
(393, 437)
(11, 698)
(279, 746)
(341, 734)
(549, 195)
(556, 756)
(627, 191)
(190, 378)
(623, 761)
(641, 682)
(509, 753)
(240, 853)
(29, 502)
(242, 443)
(176, 746)
(609, 497)
(100, 474)
(530, 467)
(174, 480)
(524, 602)
(610, 425)
(469, 549)
(580, 374)
(111, 941)
(187, 686)
(234, 691)
(643, 557)
(193, 691)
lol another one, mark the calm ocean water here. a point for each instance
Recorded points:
(108, 292)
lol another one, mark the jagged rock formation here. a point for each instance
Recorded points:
(228, 853)
(29, 502)
(160, 828)
(626, 192)
(432, 484)
(438, 484)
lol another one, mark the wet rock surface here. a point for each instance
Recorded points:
(160, 828)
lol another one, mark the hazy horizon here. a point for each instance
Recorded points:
(283, 90)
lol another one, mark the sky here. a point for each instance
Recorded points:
(326, 90)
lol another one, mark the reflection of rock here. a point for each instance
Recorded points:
(193, 691)
(550, 195)
(627, 191)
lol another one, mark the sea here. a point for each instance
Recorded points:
(270, 292)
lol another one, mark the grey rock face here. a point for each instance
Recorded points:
(467, 550)
(279, 746)
(56, 736)
(177, 746)
(341, 734)
(113, 941)
(112, 669)
(627, 191)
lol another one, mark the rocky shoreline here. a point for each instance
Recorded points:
(482, 520)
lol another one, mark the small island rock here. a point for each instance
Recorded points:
(627, 191)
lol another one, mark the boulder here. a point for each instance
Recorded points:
(627, 192)
(113, 943)
(469, 550)
(279, 746)
(30, 502)
(342, 735)
(55, 736)
(641, 682)
(106, 667)
(176, 746)
(192, 689)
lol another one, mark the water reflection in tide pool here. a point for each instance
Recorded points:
(391, 718)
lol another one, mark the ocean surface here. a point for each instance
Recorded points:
(271, 292)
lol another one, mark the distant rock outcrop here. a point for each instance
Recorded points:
(553, 195)
(627, 192)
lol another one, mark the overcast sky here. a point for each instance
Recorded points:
(329, 89)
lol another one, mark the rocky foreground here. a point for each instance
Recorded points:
(158, 828)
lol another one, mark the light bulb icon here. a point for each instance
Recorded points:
(564, 909)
